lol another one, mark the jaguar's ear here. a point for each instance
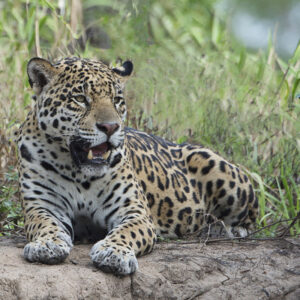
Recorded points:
(125, 70)
(40, 72)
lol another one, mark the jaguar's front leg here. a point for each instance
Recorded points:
(132, 235)
(49, 239)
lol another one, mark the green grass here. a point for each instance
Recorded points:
(11, 220)
(193, 82)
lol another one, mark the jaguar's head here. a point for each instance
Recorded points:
(80, 102)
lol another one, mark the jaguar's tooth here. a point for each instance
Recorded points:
(90, 155)
(106, 155)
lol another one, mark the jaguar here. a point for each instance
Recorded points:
(85, 176)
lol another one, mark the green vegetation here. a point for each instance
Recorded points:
(193, 82)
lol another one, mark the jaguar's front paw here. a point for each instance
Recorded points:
(47, 251)
(113, 258)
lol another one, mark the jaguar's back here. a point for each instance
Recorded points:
(188, 185)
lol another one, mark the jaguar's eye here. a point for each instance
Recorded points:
(80, 98)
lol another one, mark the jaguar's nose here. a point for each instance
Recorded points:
(108, 128)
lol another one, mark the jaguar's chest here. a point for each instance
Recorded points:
(92, 205)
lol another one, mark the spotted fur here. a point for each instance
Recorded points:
(84, 176)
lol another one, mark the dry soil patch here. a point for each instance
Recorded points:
(239, 270)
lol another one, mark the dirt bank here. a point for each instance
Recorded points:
(248, 270)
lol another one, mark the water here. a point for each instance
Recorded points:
(254, 21)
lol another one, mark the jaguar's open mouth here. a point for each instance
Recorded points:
(82, 153)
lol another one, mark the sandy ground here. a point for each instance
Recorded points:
(239, 270)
